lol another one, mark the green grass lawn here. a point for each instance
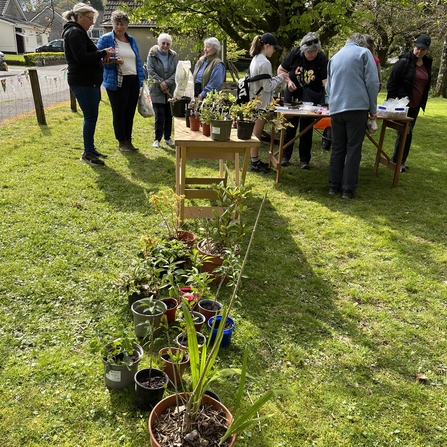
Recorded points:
(344, 304)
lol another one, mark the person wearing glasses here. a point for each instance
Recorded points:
(209, 72)
(123, 77)
(85, 69)
(305, 71)
(161, 66)
(411, 77)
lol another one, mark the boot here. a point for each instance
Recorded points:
(124, 147)
(131, 146)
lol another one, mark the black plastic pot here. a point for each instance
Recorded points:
(245, 129)
(145, 397)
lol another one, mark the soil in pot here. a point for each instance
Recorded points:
(173, 370)
(211, 424)
(228, 330)
(150, 384)
(182, 340)
(209, 308)
(171, 307)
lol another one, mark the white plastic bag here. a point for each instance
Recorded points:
(372, 126)
(184, 80)
(145, 108)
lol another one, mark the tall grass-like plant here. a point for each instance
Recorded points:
(203, 370)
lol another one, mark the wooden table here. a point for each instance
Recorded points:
(399, 124)
(190, 145)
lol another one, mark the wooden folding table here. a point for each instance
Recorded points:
(400, 124)
(193, 145)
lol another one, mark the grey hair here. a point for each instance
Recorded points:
(213, 43)
(79, 8)
(359, 39)
(119, 16)
(308, 44)
(164, 36)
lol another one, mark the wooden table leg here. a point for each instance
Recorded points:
(400, 152)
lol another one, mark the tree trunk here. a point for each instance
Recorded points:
(441, 84)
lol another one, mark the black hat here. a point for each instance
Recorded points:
(271, 40)
(423, 41)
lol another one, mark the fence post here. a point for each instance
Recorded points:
(73, 106)
(37, 96)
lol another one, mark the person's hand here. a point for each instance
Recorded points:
(291, 86)
(164, 86)
(119, 60)
(372, 116)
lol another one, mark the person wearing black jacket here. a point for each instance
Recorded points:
(411, 77)
(85, 72)
(305, 71)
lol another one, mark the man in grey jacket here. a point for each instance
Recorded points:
(352, 87)
(161, 65)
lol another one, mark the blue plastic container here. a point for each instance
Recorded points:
(226, 339)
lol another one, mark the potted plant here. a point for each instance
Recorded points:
(120, 358)
(167, 205)
(246, 114)
(142, 280)
(150, 383)
(224, 230)
(147, 314)
(217, 106)
(194, 114)
(183, 410)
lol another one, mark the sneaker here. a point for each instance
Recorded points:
(304, 165)
(285, 161)
(333, 191)
(91, 159)
(403, 167)
(259, 167)
(169, 142)
(99, 154)
(347, 194)
(156, 143)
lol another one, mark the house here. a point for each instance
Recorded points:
(143, 31)
(17, 34)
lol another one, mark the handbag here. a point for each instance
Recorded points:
(145, 108)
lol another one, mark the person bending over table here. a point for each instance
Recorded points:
(261, 48)
(305, 71)
(352, 86)
(411, 76)
(209, 71)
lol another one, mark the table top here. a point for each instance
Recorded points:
(184, 136)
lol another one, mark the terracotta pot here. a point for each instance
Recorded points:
(171, 308)
(171, 401)
(213, 261)
(119, 376)
(198, 319)
(173, 372)
(186, 237)
(194, 123)
(209, 313)
(206, 129)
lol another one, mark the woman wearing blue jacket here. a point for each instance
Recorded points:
(123, 76)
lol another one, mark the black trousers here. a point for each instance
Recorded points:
(124, 103)
(163, 120)
(413, 112)
(305, 145)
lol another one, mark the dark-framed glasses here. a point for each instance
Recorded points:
(312, 42)
(90, 18)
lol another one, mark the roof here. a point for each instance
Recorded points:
(113, 5)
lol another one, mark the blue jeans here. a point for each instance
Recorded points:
(88, 99)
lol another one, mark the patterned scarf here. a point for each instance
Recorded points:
(119, 72)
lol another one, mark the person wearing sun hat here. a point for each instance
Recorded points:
(262, 47)
(411, 77)
(305, 71)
